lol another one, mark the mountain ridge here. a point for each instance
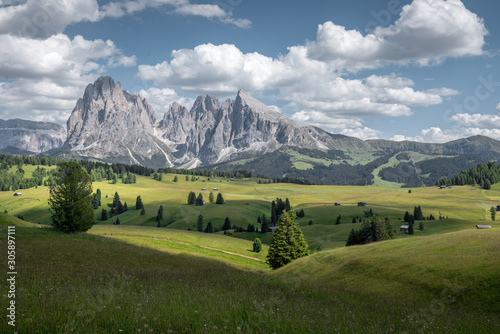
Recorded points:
(113, 125)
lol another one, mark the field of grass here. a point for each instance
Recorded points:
(464, 206)
(132, 283)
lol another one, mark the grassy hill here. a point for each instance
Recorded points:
(130, 282)
(464, 206)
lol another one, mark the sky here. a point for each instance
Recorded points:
(421, 70)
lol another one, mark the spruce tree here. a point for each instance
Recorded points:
(143, 212)
(199, 200)
(338, 220)
(227, 224)
(191, 198)
(211, 197)
(493, 212)
(138, 203)
(125, 207)
(104, 215)
(210, 228)
(200, 223)
(288, 242)
(220, 199)
(288, 207)
(410, 228)
(176, 178)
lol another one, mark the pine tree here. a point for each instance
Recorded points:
(138, 203)
(220, 199)
(288, 242)
(211, 197)
(117, 222)
(125, 207)
(199, 200)
(353, 220)
(160, 213)
(104, 215)
(257, 245)
(338, 220)
(176, 178)
(210, 228)
(250, 228)
(191, 198)
(421, 226)
(410, 228)
(493, 212)
(143, 212)
(288, 207)
(187, 178)
(98, 193)
(264, 226)
(116, 199)
(119, 208)
(227, 224)
(274, 215)
(200, 223)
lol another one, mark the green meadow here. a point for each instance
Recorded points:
(138, 278)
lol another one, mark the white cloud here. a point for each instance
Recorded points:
(312, 76)
(427, 32)
(183, 7)
(323, 121)
(498, 107)
(478, 120)
(436, 135)
(47, 76)
(361, 133)
(162, 99)
(41, 19)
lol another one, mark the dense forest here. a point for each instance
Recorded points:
(483, 175)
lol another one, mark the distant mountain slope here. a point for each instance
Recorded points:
(21, 136)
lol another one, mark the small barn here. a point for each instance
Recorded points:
(337, 203)
(498, 207)
(482, 227)
(204, 189)
(404, 228)
(362, 204)
(442, 187)
(273, 228)
(18, 194)
(216, 189)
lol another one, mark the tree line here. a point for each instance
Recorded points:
(482, 175)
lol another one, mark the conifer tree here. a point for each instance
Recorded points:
(138, 203)
(176, 178)
(104, 215)
(191, 198)
(211, 197)
(200, 223)
(210, 228)
(143, 212)
(288, 242)
(199, 200)
(493, 212)
(220, 199)
(227, 224)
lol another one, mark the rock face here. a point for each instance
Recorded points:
(31, 136)
(212, 132)
(112, 125)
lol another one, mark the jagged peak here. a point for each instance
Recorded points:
(243, 98)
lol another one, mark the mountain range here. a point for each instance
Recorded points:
(112, 125)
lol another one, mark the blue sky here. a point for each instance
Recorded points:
(424, 70)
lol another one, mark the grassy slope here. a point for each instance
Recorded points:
(465, 206)
(87, 283)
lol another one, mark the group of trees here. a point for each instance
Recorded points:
(199, 201)
(482, 175)
(374, 230)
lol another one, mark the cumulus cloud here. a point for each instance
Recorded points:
(324, 121)
(162, 99)
(478, 120)
(437, 135)
(361, 133)
(47, 76)
(312, 77)
(427, 32)
(41, 19)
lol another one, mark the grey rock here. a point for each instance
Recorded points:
(31, 136)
